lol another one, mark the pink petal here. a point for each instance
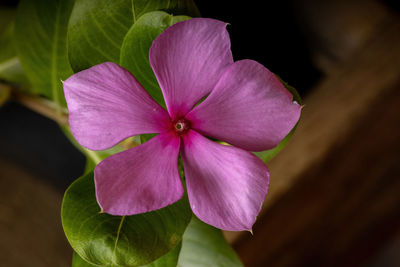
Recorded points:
(188, 58)
(248, 108)
(140, 179)
(106, 105)
(226, 185)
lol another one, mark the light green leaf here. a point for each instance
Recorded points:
(102, 239)
(98, 27)
(267, 155)
(136, 45)
(40, 35)
(204, 245)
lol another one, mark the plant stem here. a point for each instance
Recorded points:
(44, 107)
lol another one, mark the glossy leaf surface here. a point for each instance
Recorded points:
(136, 45)
(40, 35)
(77, 261)
(97, 27)
(102, 239)
(168, 260)
(204, 245)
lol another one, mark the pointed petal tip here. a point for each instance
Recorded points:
(224, 197)
(245, 91)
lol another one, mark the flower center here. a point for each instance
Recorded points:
(181, 126)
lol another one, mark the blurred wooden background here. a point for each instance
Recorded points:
(335, 192)
(334, 197)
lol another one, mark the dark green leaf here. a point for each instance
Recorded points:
(7, 16)
(204, 245)
(136, 45)
(98, 27)
(40, 34)
(7, 47)
(102, 239)
(10, 67)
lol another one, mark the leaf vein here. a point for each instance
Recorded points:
(116, 240)
(102, 31)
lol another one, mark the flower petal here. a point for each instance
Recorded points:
(106, 105)
(248, 108)
(226, 185)
(188, 58)
(140, 179)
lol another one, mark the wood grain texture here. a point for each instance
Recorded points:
(345, 208)
(334, 195)
(333, 108)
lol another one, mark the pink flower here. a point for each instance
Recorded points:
(247, 107)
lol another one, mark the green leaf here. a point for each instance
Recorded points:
(12, 72)
(40, 35)
(6, 44)
(98, 27)
(77, 261)
(94, 157)
(102, 239)
(168, 260)
(7, 17)
(136, 45)
(204, 245)
(10, 67)
(267, 155)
